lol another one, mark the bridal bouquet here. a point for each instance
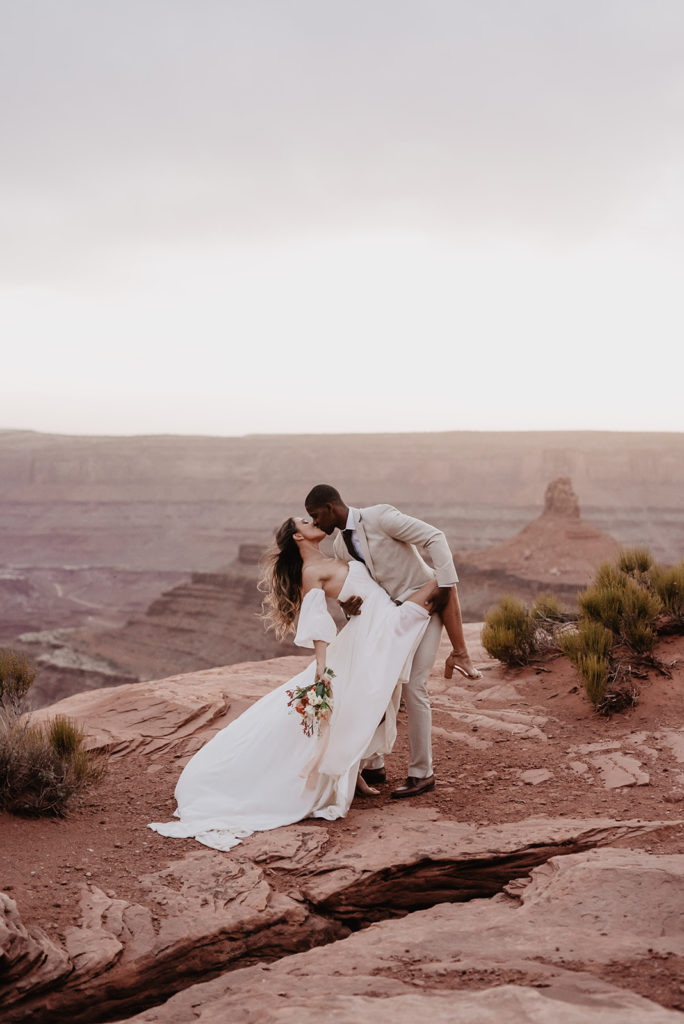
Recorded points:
(314, 703)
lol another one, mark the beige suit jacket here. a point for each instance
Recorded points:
(389, 542)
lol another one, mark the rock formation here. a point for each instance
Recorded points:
(80, 516)
(558, 552)
(557, 547)
(560, 499)
(209, 619)
(186, 503)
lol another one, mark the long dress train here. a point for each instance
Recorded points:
(257, 774)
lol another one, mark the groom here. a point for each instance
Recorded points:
(386, 541)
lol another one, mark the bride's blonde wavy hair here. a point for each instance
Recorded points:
(281, 581)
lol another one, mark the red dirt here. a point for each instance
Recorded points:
(105, 841)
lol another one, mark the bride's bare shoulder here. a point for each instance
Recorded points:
(313, 576)
(324, 573)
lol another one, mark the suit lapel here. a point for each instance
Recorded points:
(363, 542)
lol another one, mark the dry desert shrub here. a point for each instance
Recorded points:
(516, 635)
(625, 601)
(668, 583)
(42, 766)
(621, 613)
(635, 561)
(594, 672)
(589, 647)
(547, 608)
(508, 632)
(587, 638)
(16, 679)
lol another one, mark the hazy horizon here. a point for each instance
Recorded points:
(331, 433)
(223, 220)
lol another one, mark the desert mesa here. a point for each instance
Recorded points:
(130, 558)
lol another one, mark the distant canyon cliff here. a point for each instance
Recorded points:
(132, 558)
(186, 503)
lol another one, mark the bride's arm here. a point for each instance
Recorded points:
(321, 649)
(316, 627)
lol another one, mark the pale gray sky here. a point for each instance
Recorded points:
(298, 215)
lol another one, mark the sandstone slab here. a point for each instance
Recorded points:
(535, 776)
(562, 1003)
(618, 770)
(583, 909)
(204, 912)
(285, 891)
(171, 716)
(29, 960)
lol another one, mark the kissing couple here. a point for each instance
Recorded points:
(263, 770)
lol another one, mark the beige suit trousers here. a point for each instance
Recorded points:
(389, 542)
(417, 700)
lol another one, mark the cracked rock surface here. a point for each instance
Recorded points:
(534, 952)
(530, 885)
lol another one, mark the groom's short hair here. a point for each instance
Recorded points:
(322, 494)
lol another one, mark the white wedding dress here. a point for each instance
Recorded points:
(260, 772)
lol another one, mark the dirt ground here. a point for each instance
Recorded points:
(105, 841)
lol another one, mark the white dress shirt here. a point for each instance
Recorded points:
(351, 526)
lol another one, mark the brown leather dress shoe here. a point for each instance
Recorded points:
(414, 787)
(374, 776)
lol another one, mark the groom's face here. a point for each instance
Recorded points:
(323, 517)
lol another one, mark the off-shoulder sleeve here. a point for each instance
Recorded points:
(315, 621)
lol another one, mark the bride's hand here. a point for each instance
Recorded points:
(320, 674)
(352, 606)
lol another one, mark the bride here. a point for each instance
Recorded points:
(262, 771)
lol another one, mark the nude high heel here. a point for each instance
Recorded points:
(450, 664)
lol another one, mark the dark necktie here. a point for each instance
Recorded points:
(347, 535)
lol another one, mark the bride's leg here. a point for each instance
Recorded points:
(459, 658)
(364, 790)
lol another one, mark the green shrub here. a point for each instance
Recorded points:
(66, 738)
(508, 632)
(668, 584)
(547, 607)
(602, 603)
(640, 608)
(635, 561)
(608, 576)
(594, 672)
(35, 777)
(589, 638)
(42, 767)
(16, 679)
(589, 648)
(623, 605)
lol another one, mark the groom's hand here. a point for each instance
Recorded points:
(439, 600)
(352, 606)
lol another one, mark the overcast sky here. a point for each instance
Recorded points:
(223, 217)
